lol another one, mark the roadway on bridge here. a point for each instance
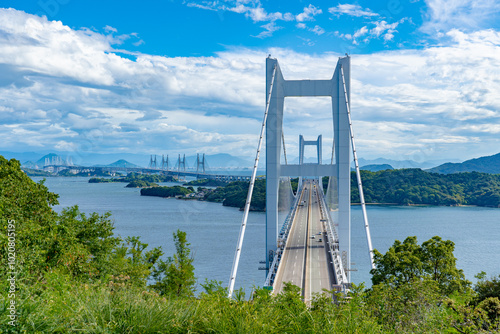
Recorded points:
(305, 261)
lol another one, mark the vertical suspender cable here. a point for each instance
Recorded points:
(284, 149)
(237, 254)
(358, 175)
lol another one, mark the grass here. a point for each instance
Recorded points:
(57, 306)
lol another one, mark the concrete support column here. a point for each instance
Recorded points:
(342, 157)
(274, 128)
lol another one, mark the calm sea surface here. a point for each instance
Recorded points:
(212, 229)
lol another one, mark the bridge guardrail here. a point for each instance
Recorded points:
(334, 249)
(340, 275)
(282, 238)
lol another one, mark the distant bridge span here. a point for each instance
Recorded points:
(198, 175)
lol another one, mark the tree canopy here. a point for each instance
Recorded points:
(235, 193)
(176, 275)
(73, 244)
(408, 261)
(415, 186)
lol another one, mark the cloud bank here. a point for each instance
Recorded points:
(69, 89)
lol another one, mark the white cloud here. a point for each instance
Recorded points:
(269, 29)
(254, 10)
(65, 146)
(109, 29)
(443, 15)
(359, 33)
(68, 88)
(138, 43)
(351, 10)
(288, 17)
(258, 14)
(383, 26)
(251, 9)
(208, 6)
(318, 30)
(378, 29)
(308, 13)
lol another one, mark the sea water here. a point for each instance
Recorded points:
(212, 229)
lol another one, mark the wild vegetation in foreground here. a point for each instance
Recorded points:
(71, 274)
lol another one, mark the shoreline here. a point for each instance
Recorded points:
(426, 205)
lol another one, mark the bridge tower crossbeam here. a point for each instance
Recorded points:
(303, 143)
(200, 164)
(181, 163)
(319, 150)
(152, 162)
(164, 163)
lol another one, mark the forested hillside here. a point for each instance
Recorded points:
(488, 164)
(235, 194)
(415, 186)
(400, 187)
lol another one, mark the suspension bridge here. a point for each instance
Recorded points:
(308, 234)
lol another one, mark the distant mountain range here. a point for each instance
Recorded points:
(220, 160)
(37, 160)
(53, 158)
(376, 168)
(398, 164)
(394, 164)
(77, 158)
(120, 163)
(489, 164)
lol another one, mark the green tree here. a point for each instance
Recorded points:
(486, 288)
(132, 259)
(401, 264)
(482, 318)
(407, 261)
(439, 264)
(413, 307)
(80, 246)
(176, 275)
(27, 206)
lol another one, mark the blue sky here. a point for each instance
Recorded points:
(202, 28)
(169, 77)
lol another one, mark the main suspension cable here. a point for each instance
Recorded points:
(237, 254)
(358, 174)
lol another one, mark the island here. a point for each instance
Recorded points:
(152, 178)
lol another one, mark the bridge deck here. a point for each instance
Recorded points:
(306, 261)
(172, 172)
